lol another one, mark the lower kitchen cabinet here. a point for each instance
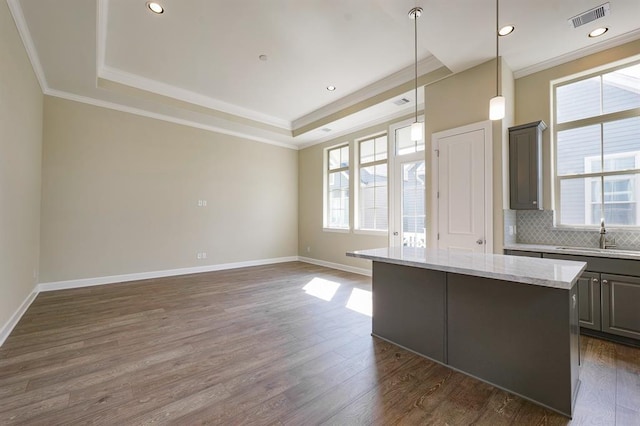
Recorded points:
(621, 305)
(608, 294)
(589, 300)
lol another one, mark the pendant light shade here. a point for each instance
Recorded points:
(416, 131)
(496, 108)
(416, 127)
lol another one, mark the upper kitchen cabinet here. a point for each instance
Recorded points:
(525, 166)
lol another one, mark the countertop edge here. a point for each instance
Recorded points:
(563, 285)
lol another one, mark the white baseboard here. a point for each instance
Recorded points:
(339, 266)
(88, 282)
(8, 327)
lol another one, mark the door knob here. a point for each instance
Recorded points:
(480, 241)
(395, 233)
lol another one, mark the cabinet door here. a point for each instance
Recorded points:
(621, 305)
(589, 300)
(525, 156)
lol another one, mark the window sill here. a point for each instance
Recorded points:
(337, 230)
(596, 228)
(371, 232)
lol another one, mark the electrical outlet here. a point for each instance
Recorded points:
(204, 254)
(199, 256)
(199, 203)
(204, 203)
(308, 249)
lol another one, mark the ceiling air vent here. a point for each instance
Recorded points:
(326, 129)
(590, 15)
(401, 101)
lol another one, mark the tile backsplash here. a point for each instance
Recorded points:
(536, 227)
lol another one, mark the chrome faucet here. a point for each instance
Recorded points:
(605, 242)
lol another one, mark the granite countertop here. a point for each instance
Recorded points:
(579, 251)
(554, 273)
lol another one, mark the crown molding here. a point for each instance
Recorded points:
(27, 41)
(577, 54)
(159, 88)
(392, 81)
(163, 117)
(404, 112)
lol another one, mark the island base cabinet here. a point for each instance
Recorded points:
(520, 337)
(621, 305)
(409, 308)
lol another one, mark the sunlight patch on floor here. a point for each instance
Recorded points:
(321, 288)
(360, 301)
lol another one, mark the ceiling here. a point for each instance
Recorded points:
(198, 62)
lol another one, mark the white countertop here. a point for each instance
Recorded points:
(578, 251)
(554, 273)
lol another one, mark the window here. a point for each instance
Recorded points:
(373, 192)
(337, 205)
(597, 142)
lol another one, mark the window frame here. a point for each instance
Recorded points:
(327, 173)
(599, 120)
(358, 165)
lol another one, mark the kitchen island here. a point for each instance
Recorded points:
(509, 321)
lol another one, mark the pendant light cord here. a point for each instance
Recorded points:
(497, 49)
(415, 57)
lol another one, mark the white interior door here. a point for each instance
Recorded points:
(463, 189)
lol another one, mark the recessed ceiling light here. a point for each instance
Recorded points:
(506, 30)
(331, 88)
(598, 32)
(155, 7)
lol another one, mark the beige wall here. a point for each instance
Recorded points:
(120, 195)
(20, 154)
(324, 245)
(533, 98)
(463, 99)
(454, 101)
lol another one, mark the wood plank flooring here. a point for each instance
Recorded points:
(252, 346)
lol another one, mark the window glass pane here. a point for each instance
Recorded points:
(338, 200)
(578, 100)
(578, 150)
(367, 153)
(620, 199)
(381, 148)
(373, 197)
(621, 89)
(404, 144)
(622, 144)
(580, 201)
(339, 157)
(413, 205)
(344, 156)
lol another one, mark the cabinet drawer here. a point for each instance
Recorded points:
(522, 253)
(604, 265)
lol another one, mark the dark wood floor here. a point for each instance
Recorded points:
(251, 346)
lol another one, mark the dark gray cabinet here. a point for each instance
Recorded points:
(621, 305)
(409, 306)
(589, 300)
(525, 166)
(608, 293)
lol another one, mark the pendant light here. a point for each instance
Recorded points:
(497, 103)
(416, 127)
